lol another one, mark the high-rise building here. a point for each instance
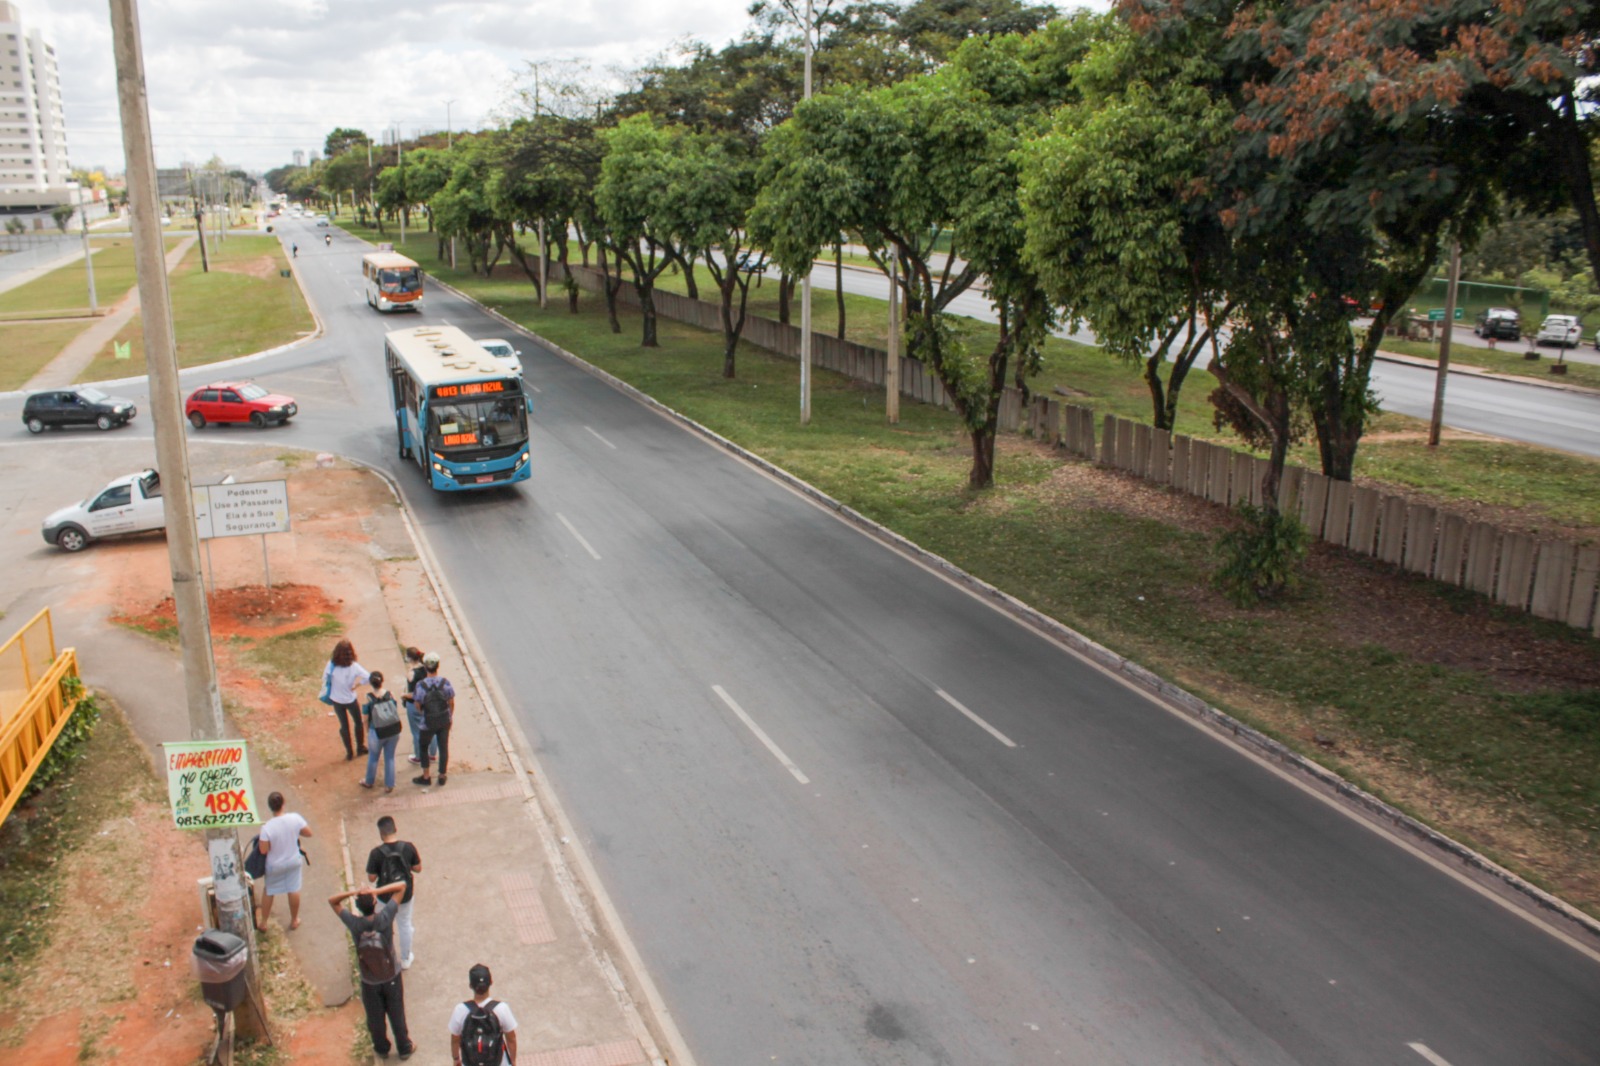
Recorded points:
(299, 157)
(33, 129)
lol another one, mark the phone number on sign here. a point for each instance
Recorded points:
(201, 821)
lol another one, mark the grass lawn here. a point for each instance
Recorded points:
(241, 306)
(65, 290)
(1507, 359)
(27, 346)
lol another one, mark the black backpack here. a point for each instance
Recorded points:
(375, 956)
(392, 865)
(434, 703)
(482, 1042)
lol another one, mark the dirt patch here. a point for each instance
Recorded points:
(249, 611)
(264, 266)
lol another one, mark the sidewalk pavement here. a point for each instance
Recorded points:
(498, 885)
(79, 352)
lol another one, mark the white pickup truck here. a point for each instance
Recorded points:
(129, 504)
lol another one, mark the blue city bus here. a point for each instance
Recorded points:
(459, 415)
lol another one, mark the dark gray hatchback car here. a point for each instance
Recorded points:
(84, 406)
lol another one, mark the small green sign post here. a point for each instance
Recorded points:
(1436, 314)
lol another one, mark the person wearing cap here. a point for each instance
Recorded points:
(480, 1004)
(437, 714)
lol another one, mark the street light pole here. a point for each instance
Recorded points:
(234, 910)
(805, 279)
(1443, 374)
(449, 144)
(88, 253)
(400, 162)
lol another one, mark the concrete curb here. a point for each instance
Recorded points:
(581, 887)
(225, 364)
(1141, 679)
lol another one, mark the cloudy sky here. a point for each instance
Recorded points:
(253, 82)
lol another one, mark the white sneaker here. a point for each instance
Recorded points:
(405, 963)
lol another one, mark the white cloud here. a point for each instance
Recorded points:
(252, 83)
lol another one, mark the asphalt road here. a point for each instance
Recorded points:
(1534, 414)
(850, 814)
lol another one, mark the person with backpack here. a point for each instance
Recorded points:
(413, 712)
(483, 1031)
(382, 712)
(436, 697)
(382, 990)
(396, 860)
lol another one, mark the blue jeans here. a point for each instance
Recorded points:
(414, 716)
(387, 746)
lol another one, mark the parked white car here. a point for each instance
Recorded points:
(503, 351)
(129, 504)
(1560, 330)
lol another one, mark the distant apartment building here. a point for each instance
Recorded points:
(299, 157)
(34, 173)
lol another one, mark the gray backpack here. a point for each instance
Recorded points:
(385, 714)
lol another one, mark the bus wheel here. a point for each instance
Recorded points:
(405, 453)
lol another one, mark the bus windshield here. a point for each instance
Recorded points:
(398, 281)
(479, 423)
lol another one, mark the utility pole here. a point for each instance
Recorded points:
(234, 910)
(88, 253)
(891, 375)
(449, 145)
(805, 279)
(199, 231)
(400, 162)
(1444, 345)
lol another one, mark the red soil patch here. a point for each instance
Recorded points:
(253, 611)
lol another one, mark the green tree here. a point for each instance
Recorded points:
(1353, 199)
(910, 166)
(343, 140)
(1120, 224)
(635, 200)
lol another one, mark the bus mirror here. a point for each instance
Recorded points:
(529, 401)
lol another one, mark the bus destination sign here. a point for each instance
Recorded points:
(471, 388)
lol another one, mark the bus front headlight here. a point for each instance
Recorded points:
(523, 459)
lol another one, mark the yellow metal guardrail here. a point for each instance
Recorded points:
(34, 704)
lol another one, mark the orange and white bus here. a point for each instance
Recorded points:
(394, 283)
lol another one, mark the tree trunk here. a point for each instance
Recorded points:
(982, 474)
(646, 289)
(785, 290)
(691, 285)
(609, 289)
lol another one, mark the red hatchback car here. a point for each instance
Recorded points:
(238, 401)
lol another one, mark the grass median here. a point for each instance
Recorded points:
(1508, 358)
(1481, 721)
(242, 305)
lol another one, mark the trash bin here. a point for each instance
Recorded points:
(218, 962)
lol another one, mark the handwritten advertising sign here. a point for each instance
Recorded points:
(241, 510)
(208, 784)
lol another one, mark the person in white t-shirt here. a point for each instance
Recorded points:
(340, 680)
(279, 841)
(478, 1022)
